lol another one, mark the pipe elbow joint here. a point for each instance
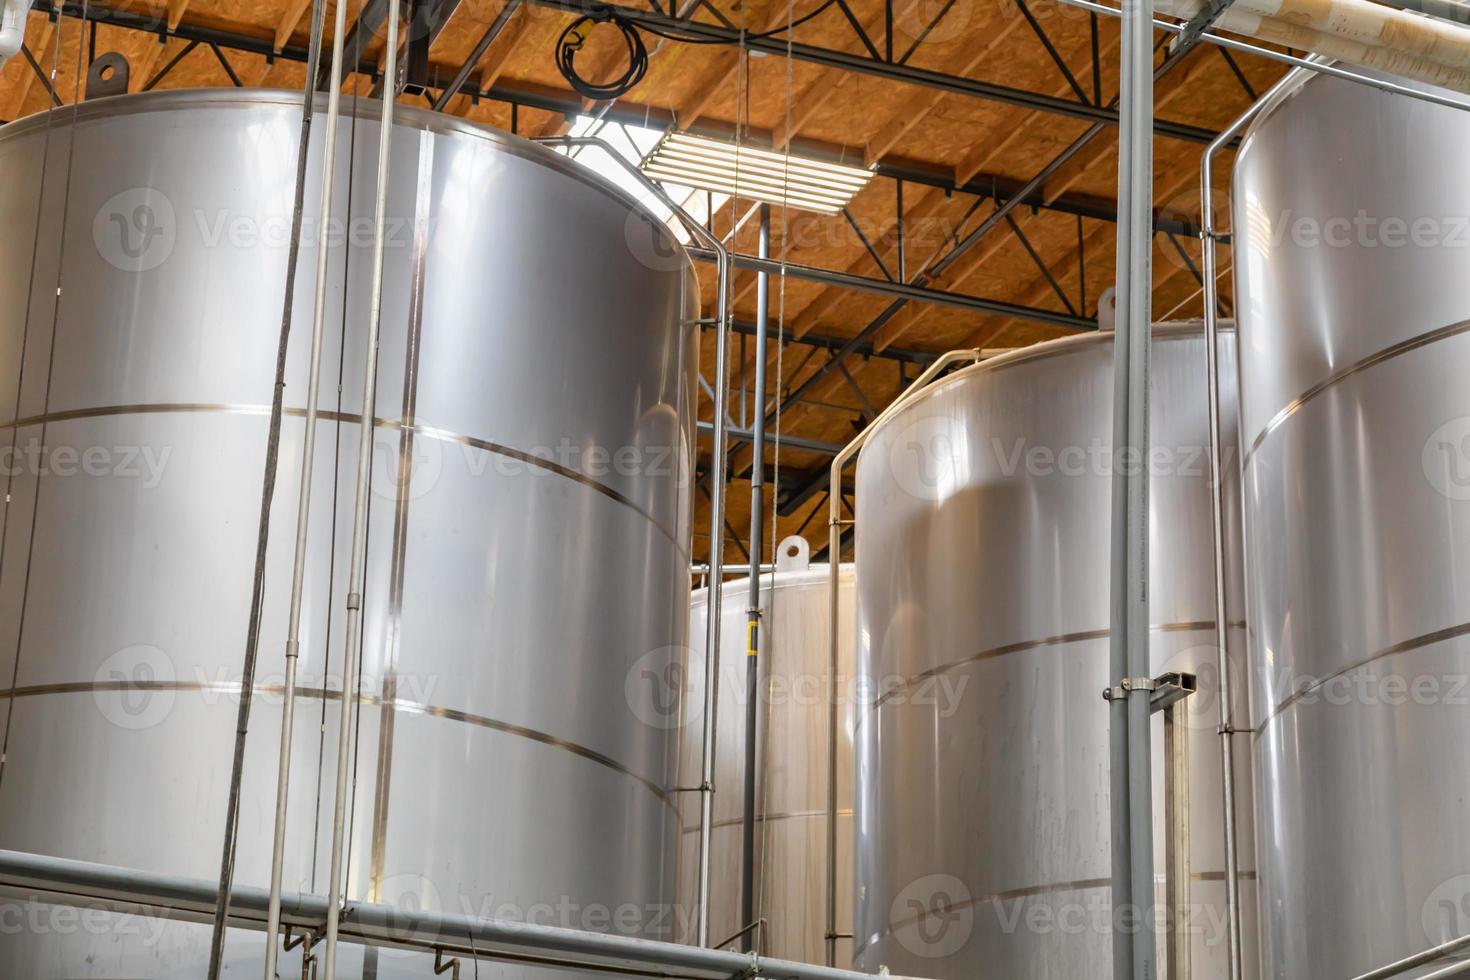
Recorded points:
(12, 28)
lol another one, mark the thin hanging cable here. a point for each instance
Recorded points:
(50, 362)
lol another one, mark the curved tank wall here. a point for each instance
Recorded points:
(983, 597)
(528, 543)
(1355, 430)
(791, 802)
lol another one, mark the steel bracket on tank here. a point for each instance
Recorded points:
(1166, 694)
(1167, 689)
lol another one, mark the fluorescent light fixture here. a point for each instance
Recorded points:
(756, 175)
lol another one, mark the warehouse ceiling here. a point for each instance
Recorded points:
(960, 106)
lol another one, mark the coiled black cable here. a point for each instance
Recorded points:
(574, 37)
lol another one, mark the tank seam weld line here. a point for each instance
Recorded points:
(768, 818)
(1386, 354)
(1024, 645)
(442, 435)
(1404, 646)
(366, 698)
(1030, 891)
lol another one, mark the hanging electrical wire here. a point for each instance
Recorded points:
(575, 37)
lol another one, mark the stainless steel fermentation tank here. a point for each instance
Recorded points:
(791, 806)
(1352, 253)
(527, 559)
(982, 770)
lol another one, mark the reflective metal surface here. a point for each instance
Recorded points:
(791, 852)
(982, 773)
(527, 567)
(1357, 515)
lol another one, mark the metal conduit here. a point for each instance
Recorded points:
(308, 455)
(753, 937)
(356, 580)
(1130, 704)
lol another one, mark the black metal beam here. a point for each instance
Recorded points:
(904, 292)
(927, 275)
(699, 31)
(818, 341)
(483, 45)
(1051, 50)
(374, 15)
(877, 259)
(1041, 265)
(996, 187)
(428, 21)
(41, 74)
(788, 442)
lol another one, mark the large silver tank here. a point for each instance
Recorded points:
(983, 545)
(526, 570)
(1352, 254)
(791, 802)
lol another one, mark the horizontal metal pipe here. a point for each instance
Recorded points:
(905, 354)
(702, 568)
(1453, 970)
(1322, 68)
(1400, 967)
(790, 442)
(848, 280)
(1451, 10)
(63, 881)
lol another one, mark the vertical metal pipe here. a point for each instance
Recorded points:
(834, 567)
(252, 643)
(1217, 505)
(356, 579)
(1178, 879)
(308, 449)
(1130, 571)
(753, 591)
(712, 627)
